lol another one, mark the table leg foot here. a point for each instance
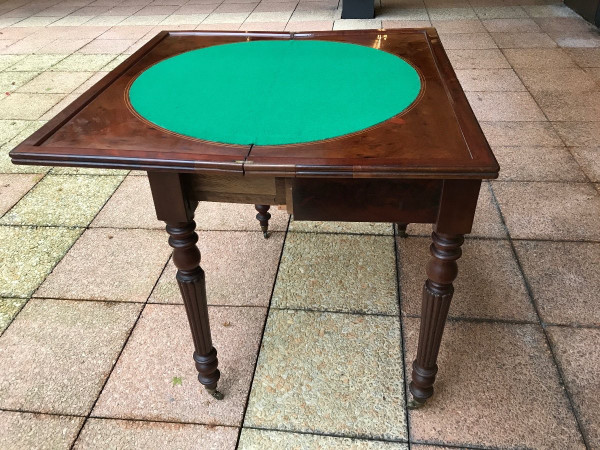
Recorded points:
(402, 230)
(414, 404)
(191, 281)
(263, 217)
(437, 294)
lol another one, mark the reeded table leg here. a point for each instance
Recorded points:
(263, 217)
(190, 278)
(437, 294)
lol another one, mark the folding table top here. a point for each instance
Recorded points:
(366, 103)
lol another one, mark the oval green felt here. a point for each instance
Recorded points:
(274, 92)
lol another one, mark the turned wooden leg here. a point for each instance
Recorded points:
(263, 217)
(437, 294)
(190, 278)
(402, 230)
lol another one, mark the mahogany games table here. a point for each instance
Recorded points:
(368, 125)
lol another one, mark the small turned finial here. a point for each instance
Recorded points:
(263, 217)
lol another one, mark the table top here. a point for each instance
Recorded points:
(365, 103)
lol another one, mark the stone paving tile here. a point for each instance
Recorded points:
(263, 26)
(63, 200)
(578, 134)
(11, 81)
(126, 32)
(337, 273)
(501, 106)
(341, 227)
(278, 17)
(82, 63)
(451, 13)
(28, 254)
(396, 13)
(490, 80)
(357, 24)
(578, 355)
(487, 222)
(500, 12)
(125, 265)
(230, 277)
(538, 58)
(459, 26)
(131, 206)
(56, 170)
(27, 106)
(57, 354)
(13, 187)
(523, 40)
(558, 10)
(570, 106)
(26, 129)
(589, 160)
(585, 57)
(8, 60)
(277, 6)
(520, 25)
(554, 80)
(524, 133)
(497, 386)
(9, 308)
(455, 41)
(537, 164)
(311, 375)
(236, 216)
(489, 284)
(36, 63)
(39, 431)
(141, 385)
(554, 24)
(586, 39)
(563, 277)
(478, 59)
(102, 434)
(62, 46)
(555, 211)
(11, 128)
(224, 18)
(395, 23)
(315, 25)
(66, 101)
(254, 439)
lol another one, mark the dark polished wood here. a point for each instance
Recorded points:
(424, 165)
(437, 294)
(174, 206)
(263, 217)
(402, 229)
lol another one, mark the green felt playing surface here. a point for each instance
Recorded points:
(274, 92)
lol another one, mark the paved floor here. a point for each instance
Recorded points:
(95, 350)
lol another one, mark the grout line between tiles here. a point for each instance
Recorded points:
(262, 335)
(23, 196)
(559, 371)
(402, 339)
(548, 119)
(333, 435)
(30, 296)
(116, 360)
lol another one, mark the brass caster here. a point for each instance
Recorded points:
(265, 233)
(216, 394)
(414, 404)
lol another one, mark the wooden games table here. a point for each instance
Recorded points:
(367, 125)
